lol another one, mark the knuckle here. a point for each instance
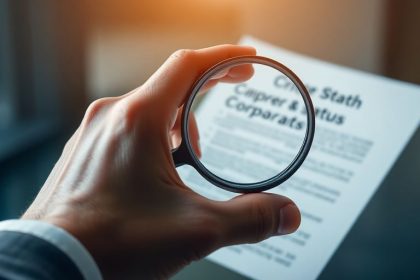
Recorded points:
(121, 117)
(264, 221)
(134, 112)
(124, 110)
(96, 107)
(206, 231)
(184, 55)
(126, 115)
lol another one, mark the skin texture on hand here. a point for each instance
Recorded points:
(116, 189)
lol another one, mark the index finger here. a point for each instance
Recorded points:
(170, 84)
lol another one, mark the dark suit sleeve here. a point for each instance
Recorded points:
(25, 256)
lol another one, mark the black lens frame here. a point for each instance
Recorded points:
(185, 154)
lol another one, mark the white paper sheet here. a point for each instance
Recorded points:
(344, 168)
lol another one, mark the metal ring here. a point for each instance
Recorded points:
(284, 174)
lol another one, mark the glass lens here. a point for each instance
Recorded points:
(251, 120)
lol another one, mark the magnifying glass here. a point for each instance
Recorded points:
(256, 123)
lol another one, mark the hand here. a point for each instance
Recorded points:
(116, 189)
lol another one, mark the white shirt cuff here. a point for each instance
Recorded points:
(59, 238)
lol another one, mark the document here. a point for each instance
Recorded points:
(363, 122)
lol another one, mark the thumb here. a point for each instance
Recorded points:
(251, 218)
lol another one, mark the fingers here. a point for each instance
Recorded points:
(251, 218)
(235, 74)
(239, 73)
(171, 83)
(176, 137)
(194, 134)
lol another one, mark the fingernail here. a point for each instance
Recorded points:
(289, 219)
(220, 74)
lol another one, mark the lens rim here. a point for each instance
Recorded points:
(186, 155)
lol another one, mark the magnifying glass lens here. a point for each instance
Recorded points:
(251, 120)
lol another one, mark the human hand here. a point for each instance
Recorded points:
(115, 187)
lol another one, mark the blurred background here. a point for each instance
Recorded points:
(57, 56)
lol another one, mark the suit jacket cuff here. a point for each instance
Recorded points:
(60, 239)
